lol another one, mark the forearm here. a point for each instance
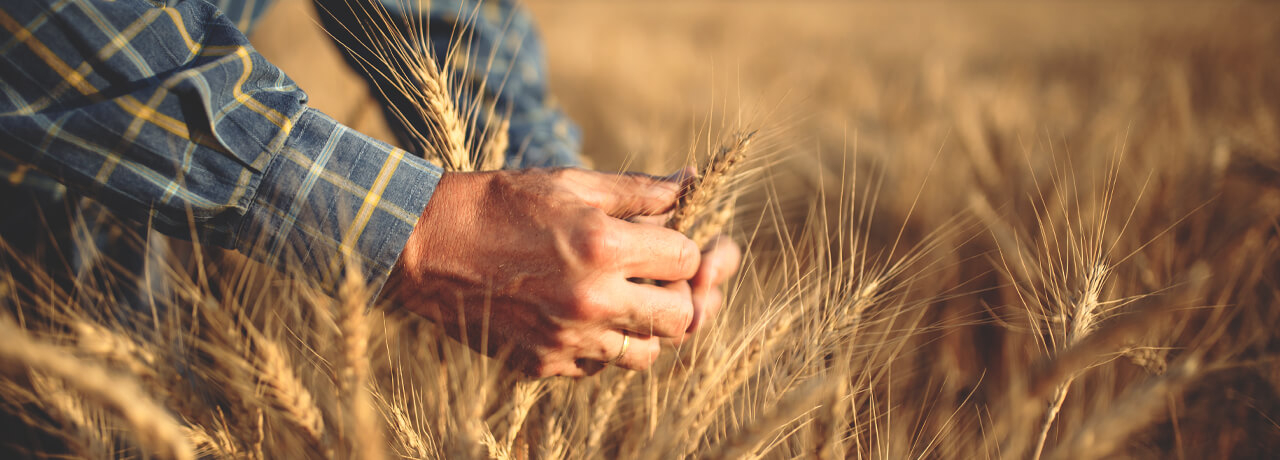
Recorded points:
(168, 116)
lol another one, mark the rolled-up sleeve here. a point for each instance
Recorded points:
(332, 191)
(166, 114)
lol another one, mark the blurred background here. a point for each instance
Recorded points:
(978, 85)
(1051, 137)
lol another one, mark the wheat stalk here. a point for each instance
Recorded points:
(1083, 319)
(360, 413)
(1103, 432)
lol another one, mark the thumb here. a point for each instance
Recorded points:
(633, 194)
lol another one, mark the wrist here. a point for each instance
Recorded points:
(432, 255)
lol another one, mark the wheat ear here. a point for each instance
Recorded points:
(493, 154)
(83, 431)
(286, 393)
(708, 403)
(216, 444)
(437, 106)
(525, 395)
(155, 430)
(701, 194)
(800, 400)
(605, 404)
(112, 347)
(1084, 316)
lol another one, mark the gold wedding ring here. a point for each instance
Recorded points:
(626, 340)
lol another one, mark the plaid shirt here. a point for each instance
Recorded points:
(498, 58)
(165, 113)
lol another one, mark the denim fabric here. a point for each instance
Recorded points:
(497, 59)
(165, 115)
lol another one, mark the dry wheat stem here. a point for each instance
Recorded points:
(360, 413)
(1103, 432)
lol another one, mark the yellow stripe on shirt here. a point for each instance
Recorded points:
(352, 236)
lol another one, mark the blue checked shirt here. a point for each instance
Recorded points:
(165, 114)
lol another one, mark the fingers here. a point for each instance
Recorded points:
(657, 253)
(611, 347)
(656, 219)
(627, 195)
(640, 353)
(706, 304)
(718, 264)
(663, 311)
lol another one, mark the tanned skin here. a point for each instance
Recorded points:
(550, 267)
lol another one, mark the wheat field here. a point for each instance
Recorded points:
(972, 230)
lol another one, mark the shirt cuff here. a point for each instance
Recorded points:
(333, 197)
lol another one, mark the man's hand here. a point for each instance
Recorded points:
(719, 262)
(541, 263)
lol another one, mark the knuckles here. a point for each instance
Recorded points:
(584, 303)
(564, 176)
(595, 243)
(566, 340)
(641, 365)
(686, 319)
(643, 355)
(690, 258)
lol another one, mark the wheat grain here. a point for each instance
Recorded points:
(286, 393)
(1083, 319)
(605, 405)
(701, 193)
